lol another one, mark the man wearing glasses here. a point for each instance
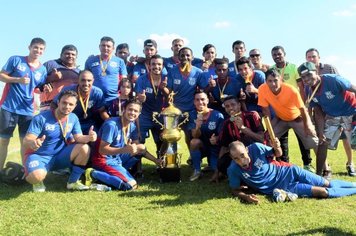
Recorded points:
(255, 57)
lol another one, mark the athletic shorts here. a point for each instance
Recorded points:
(8, 122)
(334, 127)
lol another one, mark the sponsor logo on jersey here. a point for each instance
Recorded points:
(212, 125)
(113, 64)
(192, 81)
(258, 163)
(176, 81)
(50, 127)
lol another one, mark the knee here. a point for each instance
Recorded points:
(319, 192)
(36, 176)
(80, 154)
(194, 144)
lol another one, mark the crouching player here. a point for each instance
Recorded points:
(117, 150)
(54, 140)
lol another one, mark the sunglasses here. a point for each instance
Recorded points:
(254, 55)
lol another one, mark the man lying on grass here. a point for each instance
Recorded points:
(285, 183)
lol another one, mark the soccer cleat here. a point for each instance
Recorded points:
(196, 175)
(39, 187)
(88, 178)
(350, 170)
(77, 186)
(309, 168)
(279, 195)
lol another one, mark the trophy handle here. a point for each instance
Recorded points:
(186, 114)
(154, 119)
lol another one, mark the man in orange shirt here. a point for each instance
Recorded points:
(289, 108)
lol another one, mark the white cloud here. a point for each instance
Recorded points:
(354, 6)
(222, 25)
(164, 41)
(343, 13)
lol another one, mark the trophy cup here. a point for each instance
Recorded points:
(170, 170)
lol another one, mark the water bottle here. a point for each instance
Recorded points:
(100, 187)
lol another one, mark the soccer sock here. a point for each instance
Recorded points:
(196, 158)
(107, 178)
(342, 184)
(340, 192)
(77, 171)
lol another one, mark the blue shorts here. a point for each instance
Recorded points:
(303, 181)
(146, 126)
(8, 122)
(50, 162)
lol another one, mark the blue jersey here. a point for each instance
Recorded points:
(232, 69)
(18, 98)
(170, 63)
(252, 98)
(96, 101)
(260, 175)
(109, 81)
(141, 69)
(111, 132)
(46, 123)
(185, 86)
(333, 96)
(212, 125)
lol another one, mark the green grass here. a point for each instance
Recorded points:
(198, 208)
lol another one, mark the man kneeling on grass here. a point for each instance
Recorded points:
(50, 146)
(284, 183)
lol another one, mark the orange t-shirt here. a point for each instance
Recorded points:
(286, 104)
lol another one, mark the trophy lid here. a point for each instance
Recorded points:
(171, 110)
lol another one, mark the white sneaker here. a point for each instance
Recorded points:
(39, 187)
(196, 175)
(77, 186)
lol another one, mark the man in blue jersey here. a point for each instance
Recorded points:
(21, 75)
(54, 141)
(107, 69)
(284, 183)
(173, 61)
(123, 51)
(334, 103)
(205, 125)
(151, 91)
(239, 50)
(117, 150)
(91, 102)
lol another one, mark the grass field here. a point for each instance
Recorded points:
(186, 208)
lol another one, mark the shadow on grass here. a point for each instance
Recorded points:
(328, 231)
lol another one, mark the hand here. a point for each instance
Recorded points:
(214, 139)
(37, 143)
(133, 59)
(142, 96)
(242, 95)
(238, 121)
(250, 88)
(276, 144)
(199, 121)
(310, 130)
(159, 162)
(212, 82)
(92, 134)
(132, 147)
(57, 74)
(163, 83)
(251, 198)
(47, 88)
(24, 80)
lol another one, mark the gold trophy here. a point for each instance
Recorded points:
(170, 171)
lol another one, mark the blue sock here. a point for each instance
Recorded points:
(196, 159)
(342, 184)
(107, 179)
(340, 192)
(77, 171)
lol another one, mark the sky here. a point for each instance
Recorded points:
(328, 25)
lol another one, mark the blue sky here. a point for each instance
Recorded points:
(327, 25)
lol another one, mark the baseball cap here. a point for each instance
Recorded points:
(150, 43)
(306, 67)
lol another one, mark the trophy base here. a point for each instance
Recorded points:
(169, 175)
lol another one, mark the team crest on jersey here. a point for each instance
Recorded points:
(329, 95)
(113, 64)
(21, 67)
(50, 127)
(91, 104)
(95, 64)
(286, 77)
(38, 76)
(170, 65)
(149, 90)
(143, 71)
(258, 163)
(33, 164)
(231, 69)
(176, 81)
(192, 81)
(245, 175)
(212, 125)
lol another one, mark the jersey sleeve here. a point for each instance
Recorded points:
(36, 125)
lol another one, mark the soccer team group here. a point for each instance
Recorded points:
(95, 121)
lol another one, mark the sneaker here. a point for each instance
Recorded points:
(39, 188)
(327, 174)
(351, 170)
(280, 195)
(196, 175)
(77, 186)
(309, 168)
(88, 178)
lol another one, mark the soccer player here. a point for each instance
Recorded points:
(250, 166)
(107, 69)
(205, 125)
(256, 59)
(21, 75)
(173, 61)
(117, 150)
(54, 141)
(239, 49)
(123, 52)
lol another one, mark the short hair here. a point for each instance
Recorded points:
(133, 101)
(177, 40)
(272, 72)
(312, 50)
(230, 97)
(37, 41)
(244, 60)
(85, 72)
(235, 145)
(237, 42)
(275, 48)
(69, 93)
(207, 47)
(221, 61)
(156, 56)
(107, 39)
(69, 47)
(122, 46)
(198, 91)
(185, 48)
